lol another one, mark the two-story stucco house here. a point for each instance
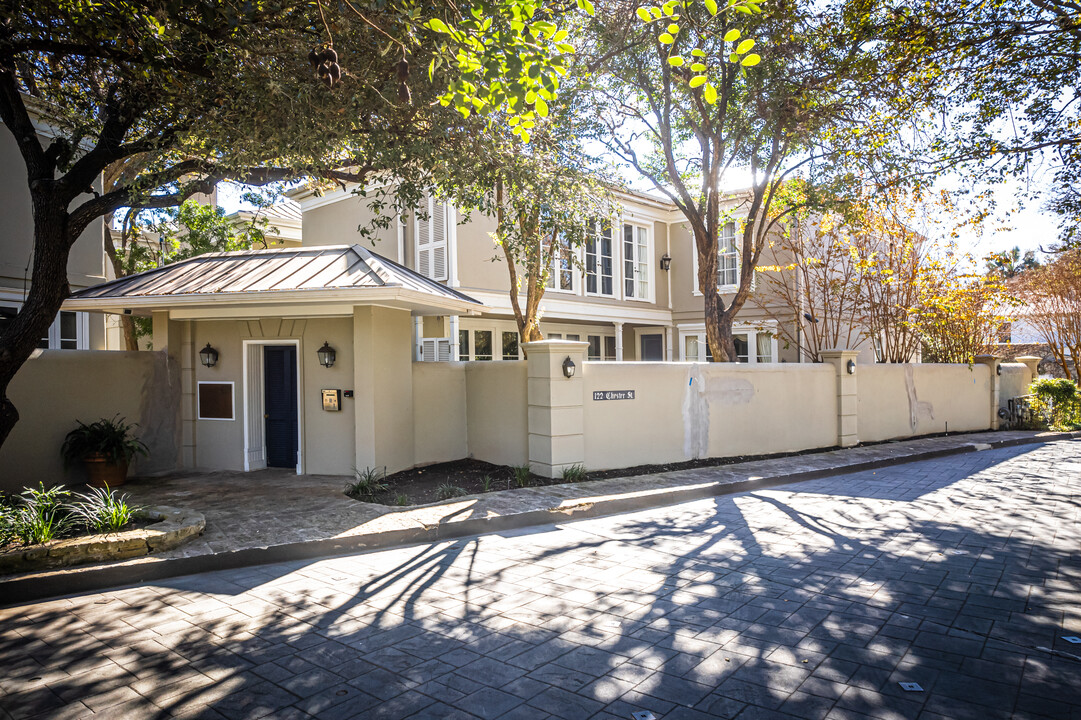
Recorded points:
(631, 291)
(86, 266)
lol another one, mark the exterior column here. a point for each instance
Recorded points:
(454, 349)
(992, 362)
(418, 333)
(619, 341)
(1032, 363)
(847, 428)
(556, 406)
(669, 347)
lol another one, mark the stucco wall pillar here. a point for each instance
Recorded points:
(992, 362)
(383, 388)
(1032, 363)
(556, 406)
(847, 418)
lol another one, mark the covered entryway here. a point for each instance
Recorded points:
(280, 409)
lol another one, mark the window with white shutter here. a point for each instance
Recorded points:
(431, 239)
(435, 349)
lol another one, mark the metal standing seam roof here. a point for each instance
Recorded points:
(329, 267)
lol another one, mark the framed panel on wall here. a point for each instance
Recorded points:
(216, 400)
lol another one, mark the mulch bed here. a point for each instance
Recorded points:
(423, 485)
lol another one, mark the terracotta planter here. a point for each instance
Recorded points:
(100, 471)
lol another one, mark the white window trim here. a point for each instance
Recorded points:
(577, 277)
(651, 278)
(723, 289)
(617, 261)
(699, 330)
(232, 391)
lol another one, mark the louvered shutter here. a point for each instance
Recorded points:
(432, 246)
(435, 350)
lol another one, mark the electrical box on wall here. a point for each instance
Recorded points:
(332, 400)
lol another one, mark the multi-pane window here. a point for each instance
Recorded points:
(482, 344)
(463, 345)
(765, 347)
(599, 261)
(740, 341)
(635, 262)
(510, 345)
(561, 273)
(602, 347)
(727, 257)
(66, 333)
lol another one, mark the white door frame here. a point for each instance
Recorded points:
(249, 377)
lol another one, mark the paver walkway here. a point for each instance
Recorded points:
(814, 600)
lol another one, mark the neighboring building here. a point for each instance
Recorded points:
(613, 294)
(86, 264)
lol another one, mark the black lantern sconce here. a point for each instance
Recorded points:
(326, 354)
(666, 262)
(850, 366)
(208, 356)
(568, 367)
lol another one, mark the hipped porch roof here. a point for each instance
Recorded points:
(315, 278)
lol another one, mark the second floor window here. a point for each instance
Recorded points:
(599, 262)
(561, 273)
(636, 262)
(727, 258)
(431, 239)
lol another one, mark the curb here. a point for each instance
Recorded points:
(39, 587)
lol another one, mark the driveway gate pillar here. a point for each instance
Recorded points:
(844, 361)
(556, 404)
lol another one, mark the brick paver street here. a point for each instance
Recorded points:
(812, 600)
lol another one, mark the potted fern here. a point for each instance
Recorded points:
(105, 448)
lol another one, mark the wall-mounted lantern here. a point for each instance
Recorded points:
(326, 355)
(851, 367)
(666, 262)
(568, 367)
(208, 356)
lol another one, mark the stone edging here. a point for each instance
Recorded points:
(174, 526)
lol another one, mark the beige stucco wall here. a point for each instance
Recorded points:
(440, 420)
(1013, 382)
(917, 399)
(338, 223)
(327, 437)
(686, 410)
(383, 375)
(496, 411)
(57, 387)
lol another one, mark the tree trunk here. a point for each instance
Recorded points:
(47, 293)
(719, 338)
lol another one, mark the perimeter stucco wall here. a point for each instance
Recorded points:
(496, 411)
(686, 410)
(1013, 382)
(896, 401)
(440, 420)
(57, 387)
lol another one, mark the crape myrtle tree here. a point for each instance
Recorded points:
(194, 93)
(690, 99)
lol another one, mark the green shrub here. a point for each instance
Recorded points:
(1058, 402)
(574, 474)
(522, 475)
(446, 491)
(401, 499)
(41, 515)
(102, 510)
(487, 482)
(111, 438)
(367, 484)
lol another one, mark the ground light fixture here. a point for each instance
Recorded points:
(208, 356)
(851, 367)
(326, 354)
(666, 262)
(568, 367)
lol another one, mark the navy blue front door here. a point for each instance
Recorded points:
(280, 404)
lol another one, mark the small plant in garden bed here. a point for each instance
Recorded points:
(41, 514)
(367, 484)
(446, 491)
(575, 474)
(522, 475)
